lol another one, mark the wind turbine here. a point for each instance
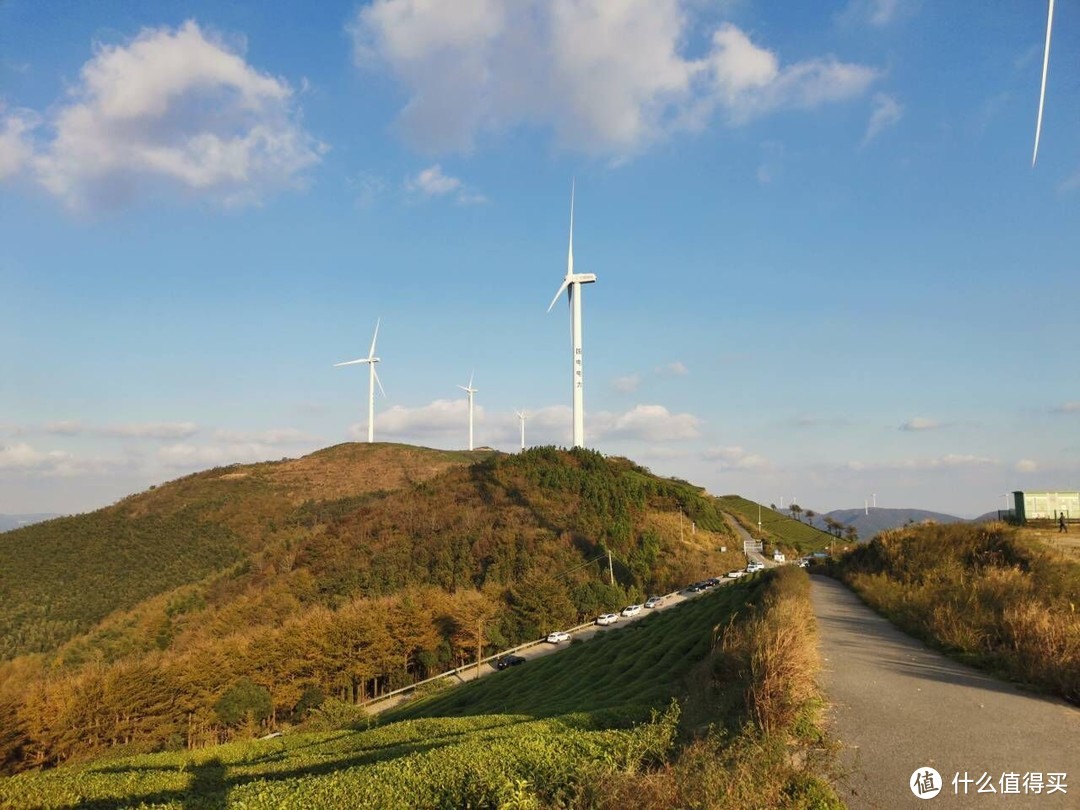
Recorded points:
(521, 416)
(1042, 90)
(572, 284)
(468, 389)
(373, 378)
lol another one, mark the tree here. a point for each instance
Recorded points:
(795, 510)
(810, 515)
(851, 533)
(244, 700)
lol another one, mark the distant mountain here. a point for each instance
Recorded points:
(878, 519)
(8, 522)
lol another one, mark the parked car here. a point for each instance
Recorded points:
(754, 566)
(509, 661)
(558, 636)
(712, 582)
(736, 574)
(654, 602)
(803, 563)
(631, 610)
(607, 618)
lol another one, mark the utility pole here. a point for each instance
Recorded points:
(610, 570)
(759, 518)
(479, 644)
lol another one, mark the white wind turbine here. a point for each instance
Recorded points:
(1042, 90)
(572, 284)
(468, 389)
(373, 378)
(521, 417)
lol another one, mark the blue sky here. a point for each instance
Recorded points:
(827, 269)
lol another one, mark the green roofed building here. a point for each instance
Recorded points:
(1046, 506)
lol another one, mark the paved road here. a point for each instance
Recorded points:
(898, 706)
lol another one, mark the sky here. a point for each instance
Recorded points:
(827, 270)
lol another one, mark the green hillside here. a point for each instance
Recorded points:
(343, 574)
(776, 528)
(58, 579)
(573, 729)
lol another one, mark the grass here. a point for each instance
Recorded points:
(985, 594)
(579, 729)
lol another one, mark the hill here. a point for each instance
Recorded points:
(868, 522)
(627, 716)
(237, 598)
(9, 522)
(777, 529)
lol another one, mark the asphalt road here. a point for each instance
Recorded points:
(898, 707)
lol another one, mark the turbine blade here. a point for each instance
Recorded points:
(374, 338)
(1042, 89)
(563, 286)
(378, 381)
(352, 362)
(463, 388)
(471, 375)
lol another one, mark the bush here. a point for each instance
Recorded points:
(243, 701)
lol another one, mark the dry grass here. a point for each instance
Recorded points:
(768, 751)
(990, 595)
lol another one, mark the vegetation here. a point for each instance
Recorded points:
(777, 529)
(593, 726)
(981, 592)
(358, 569)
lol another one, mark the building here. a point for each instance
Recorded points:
(1046, 506)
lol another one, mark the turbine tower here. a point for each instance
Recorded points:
(1042, 89)
(468, 389)
(373, 378)
(521, 416)
(572, 284)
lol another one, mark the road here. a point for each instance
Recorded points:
(471, 673)
(897, 707)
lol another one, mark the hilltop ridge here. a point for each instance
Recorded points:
(246, 581)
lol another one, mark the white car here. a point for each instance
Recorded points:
(555, 638)
(736, 574)
(631, 610)
(654, 602)
(754, 567)
(607, 618)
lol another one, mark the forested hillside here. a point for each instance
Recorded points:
(340, 575)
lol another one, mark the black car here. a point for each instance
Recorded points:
(509, 661)
(697, 587)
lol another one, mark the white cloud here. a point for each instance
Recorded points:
(675, 369)
(1068, 407)
(772, 162)
(186, 455)
(438, 418)
(949, 461)
(878, 13)
(273, 436)
(887, 112)
(174, 110)
(606, 78)
(1026, 465)
(644, 423)
(920, 423)
(16, 147)
(431, 182)
(626, 384)
(736, 458)
(147, 430)
(24, 460)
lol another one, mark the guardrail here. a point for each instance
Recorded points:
(451, 673)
